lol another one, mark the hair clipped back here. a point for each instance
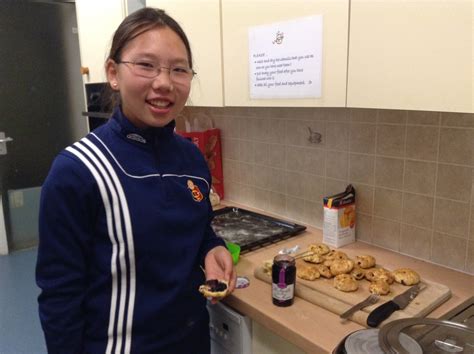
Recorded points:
(141, 21)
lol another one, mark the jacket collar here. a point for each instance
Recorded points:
(141, 136)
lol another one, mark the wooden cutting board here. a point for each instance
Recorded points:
(321, 292)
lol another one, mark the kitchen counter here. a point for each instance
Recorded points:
(312, 328)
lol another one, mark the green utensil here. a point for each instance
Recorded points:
(234, 250)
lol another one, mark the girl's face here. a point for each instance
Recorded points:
(151, 102)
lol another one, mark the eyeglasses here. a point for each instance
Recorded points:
(178, 74)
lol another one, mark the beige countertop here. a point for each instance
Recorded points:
(312, 328)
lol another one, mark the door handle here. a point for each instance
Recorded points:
(3, 143)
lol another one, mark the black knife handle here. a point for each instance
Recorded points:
(381, 313)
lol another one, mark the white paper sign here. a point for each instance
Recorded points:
(285, 59)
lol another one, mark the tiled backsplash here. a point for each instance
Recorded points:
(413, 172)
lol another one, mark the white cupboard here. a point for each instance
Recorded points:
(239, 15)
(201, 21)
(96, 23)
(413, 55)
(387, 54)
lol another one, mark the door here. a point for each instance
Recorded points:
(41, 99)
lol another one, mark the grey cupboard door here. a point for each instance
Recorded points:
(41, 99)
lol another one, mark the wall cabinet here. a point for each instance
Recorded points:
(238, 16)
(96, 23)
(201, 21)
(414, 55)
(390, 54)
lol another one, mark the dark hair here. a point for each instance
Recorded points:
(141, 21)
(132, 26)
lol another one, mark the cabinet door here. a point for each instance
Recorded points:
(239, 15)
(200, 20)
(413, 54)
(96, 22)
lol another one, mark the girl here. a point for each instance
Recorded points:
(125, 214)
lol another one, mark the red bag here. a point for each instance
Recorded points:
(209, 142)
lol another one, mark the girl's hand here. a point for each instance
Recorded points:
(218, 265)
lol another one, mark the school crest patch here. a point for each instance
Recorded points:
(195, 192)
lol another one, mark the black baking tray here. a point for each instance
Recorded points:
(251, 230)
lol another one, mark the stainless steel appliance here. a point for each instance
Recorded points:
(452, 333)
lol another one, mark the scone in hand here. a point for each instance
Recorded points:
(214, 288)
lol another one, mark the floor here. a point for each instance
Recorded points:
(20, 329)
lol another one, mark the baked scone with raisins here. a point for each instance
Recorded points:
(406, 276)
(374, 274)
(319, 248)
(314, 258)
(307, 273)
(341, 266)
(324, 271)
(379, 287)
(365, 261)
(332, 256)
(345, 282)
(357, 273)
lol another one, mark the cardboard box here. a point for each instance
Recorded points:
(340, 218)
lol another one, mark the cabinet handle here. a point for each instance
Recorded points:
(84, 70)
(6, 140)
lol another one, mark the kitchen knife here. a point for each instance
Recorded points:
(399, 302)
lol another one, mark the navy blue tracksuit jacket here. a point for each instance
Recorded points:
(124, 227)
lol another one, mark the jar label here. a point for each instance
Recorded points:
(283, 294)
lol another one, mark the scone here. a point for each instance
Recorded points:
(324, 271)
(332, 256)
(307, 273)
(357, 273)
(267, 266)
(319, 248)
(314, 258)
(380, 287)
(214, 288)
(365, 261)
(379, 274)
(341, 266)
(406, 276)
(345, 282)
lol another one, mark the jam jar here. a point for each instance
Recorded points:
(283, 280)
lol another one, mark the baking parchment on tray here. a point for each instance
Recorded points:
(251, 230)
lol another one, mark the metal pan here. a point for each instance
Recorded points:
(251, 230)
